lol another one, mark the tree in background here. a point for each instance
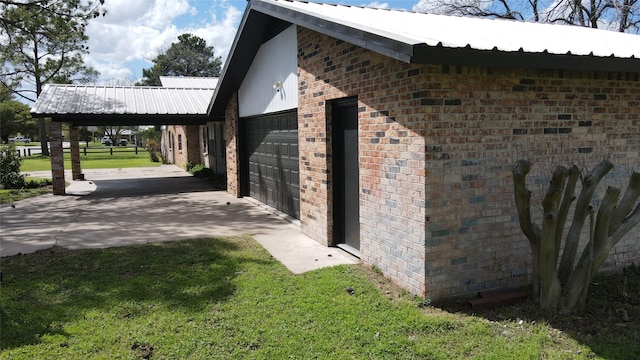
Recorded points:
(618, 15)
(559, 282)
(115, 132)
(190, 56)
(15, 117)
(152, 138)
(43, 41)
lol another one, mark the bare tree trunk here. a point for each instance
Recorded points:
(589, 185)
(530, 230)
(613, 221)
(549, 283)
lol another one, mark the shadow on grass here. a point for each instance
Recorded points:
(601, 326)
(42, 290)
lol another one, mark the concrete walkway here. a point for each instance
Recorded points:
(119, 207)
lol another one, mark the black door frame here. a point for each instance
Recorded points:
(346, 222)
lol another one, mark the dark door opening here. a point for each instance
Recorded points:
(346, 183)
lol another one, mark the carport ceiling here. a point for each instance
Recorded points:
(83, 105)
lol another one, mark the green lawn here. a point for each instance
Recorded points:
(11, 195)
(226, 298)
(96, 158)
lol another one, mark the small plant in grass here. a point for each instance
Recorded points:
(10, 162)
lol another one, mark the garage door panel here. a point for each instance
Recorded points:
(272, 156)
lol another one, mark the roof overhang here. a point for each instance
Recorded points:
(423, 54)
(126, 119)
(262, 16)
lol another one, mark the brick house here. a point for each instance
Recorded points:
(393, 134)
(193, 144)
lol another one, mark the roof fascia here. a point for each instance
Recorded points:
(472, 57)
(127, 119)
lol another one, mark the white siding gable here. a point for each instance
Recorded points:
(271, 84)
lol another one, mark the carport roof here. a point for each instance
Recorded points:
(123, 105)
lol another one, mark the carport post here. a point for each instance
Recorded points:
(76, 171)
(57, 157)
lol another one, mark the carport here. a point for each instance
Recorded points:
(96, 105)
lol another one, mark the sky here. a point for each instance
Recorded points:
(134, 32)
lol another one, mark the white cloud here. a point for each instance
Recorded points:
(135, 31)
(220, 34)
(377, 5)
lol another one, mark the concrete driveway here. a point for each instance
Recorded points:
(119, 207)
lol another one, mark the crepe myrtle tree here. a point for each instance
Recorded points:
(560, 284)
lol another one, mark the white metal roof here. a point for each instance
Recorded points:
(58, 99)
(190, 82)
(476, 33)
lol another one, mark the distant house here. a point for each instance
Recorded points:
(193, 144)
(393, 134)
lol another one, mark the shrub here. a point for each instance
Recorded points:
(219, 181)
(200, 171)
(37, 183)
(10, 162)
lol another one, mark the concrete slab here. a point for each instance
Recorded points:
(119, 207)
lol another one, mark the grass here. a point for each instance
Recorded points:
(226, 298)
(37, 186)
(96, 158)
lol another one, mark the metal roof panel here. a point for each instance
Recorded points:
(433, 30)
(57, 99)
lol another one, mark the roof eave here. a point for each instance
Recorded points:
(260, 14)
(126, 119)
(424, 54)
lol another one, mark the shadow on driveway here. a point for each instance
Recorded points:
(131, 207)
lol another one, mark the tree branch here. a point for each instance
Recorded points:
(589, 185)
(626, 204)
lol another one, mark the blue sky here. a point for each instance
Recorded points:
(133, 32)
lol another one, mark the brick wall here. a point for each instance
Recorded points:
(190, 151)
(231, 136)
(437, 145)
(57, 157)
(193, 143)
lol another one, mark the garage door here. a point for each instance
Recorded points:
(271, 159)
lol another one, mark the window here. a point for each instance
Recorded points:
(179, 141)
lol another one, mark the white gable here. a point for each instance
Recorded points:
(271, 84)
